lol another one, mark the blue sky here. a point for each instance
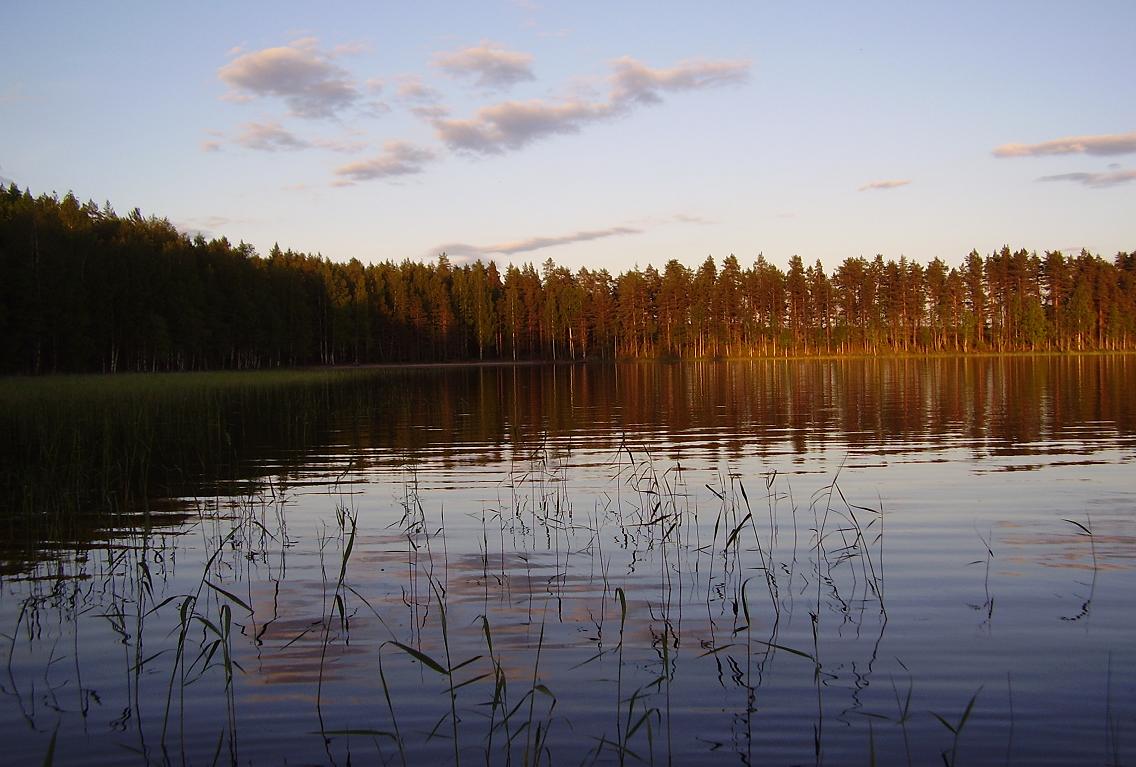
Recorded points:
(597, 134)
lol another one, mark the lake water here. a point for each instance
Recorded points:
(776, 562)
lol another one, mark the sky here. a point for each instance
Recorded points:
(605, 135)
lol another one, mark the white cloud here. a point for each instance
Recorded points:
(884, 184)
(1113, 178)
(412, 89)
(511, 125)
(690, 218)
(269, 137)
(350, 49)
(343, 145)
(374, 108)
(430, 112)
(398, 158)
(514, 247)
(1106, 144)
(634, 81)
(673, 218)
(489, 64)
(307, 80)
(206, 226)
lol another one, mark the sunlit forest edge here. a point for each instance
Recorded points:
(84, 289)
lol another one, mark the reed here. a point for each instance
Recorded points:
(496, 636)
(348, 525)
(950, 757)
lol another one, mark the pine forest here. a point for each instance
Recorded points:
(84, 289)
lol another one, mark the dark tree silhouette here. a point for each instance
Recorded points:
(84, 289)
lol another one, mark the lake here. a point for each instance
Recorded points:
(906, 561)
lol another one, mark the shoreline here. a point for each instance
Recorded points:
(458, 364)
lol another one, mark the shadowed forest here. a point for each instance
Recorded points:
(85, 289)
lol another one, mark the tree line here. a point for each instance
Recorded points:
(85, 289)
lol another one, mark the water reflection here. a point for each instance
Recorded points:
(1009, 406)
(79, 461)
(88, 444)
(576, 563)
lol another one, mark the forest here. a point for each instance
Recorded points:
(83, 289)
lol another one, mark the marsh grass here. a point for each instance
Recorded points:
(950, 758)
(188, 637)
(584, 633)
(649, 515)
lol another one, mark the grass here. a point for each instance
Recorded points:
(606, 623)
(950, 758)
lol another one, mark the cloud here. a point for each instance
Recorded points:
(350, 49)
(884, 184)
(269, 137)
(412, 89)
(307, 80)
(512, 248)
(346, 146)
(206, 226)
(690, 218)
(538, 243)
(511, 125)
(430, 112)
(1098, 180)
(1107, 144)
(634, 81)
(673, 218)
(374, 108)
(489, 64)
(398, 158)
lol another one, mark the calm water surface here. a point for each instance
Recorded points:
(767, 562)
